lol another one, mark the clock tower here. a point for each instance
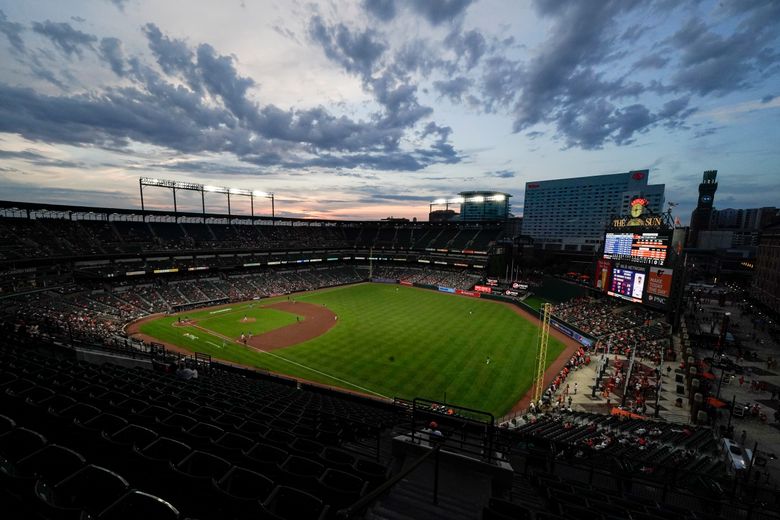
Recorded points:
(701, 216)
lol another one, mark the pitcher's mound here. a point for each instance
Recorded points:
(248, 320)
(317, 320)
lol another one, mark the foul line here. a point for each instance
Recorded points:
(257, 349)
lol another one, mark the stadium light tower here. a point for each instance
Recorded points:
(203, 189)
(267, 195)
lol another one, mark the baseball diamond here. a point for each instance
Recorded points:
(387, 340)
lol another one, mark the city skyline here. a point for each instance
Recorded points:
(371, 109)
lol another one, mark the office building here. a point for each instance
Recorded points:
(572, 214)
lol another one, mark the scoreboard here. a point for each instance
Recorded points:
(636, 266)
(640, 248)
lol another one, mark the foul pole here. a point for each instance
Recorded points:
(541, 353)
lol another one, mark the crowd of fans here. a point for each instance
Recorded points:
(51, 237)
(621, 331)
(454, 279)
(99, 314)
(558, 394)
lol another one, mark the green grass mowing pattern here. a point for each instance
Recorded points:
(407, 342)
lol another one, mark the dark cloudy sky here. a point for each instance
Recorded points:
(372, 108)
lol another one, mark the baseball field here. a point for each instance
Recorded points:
(385, 340)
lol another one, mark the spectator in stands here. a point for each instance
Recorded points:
(435, 435)
(186, 373)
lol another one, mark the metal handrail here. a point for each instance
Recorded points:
(363, 502)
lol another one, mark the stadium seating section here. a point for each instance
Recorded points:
(50, 237)
(108, 440)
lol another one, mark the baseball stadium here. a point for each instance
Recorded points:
(185, 364)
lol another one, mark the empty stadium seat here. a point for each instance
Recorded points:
(50, 464)
(90, 489)
(242, 491)
(151, 463)
(6, 424)
(305, 447)
(373, 473)
(266, 459)
(192, 482)
(301, 472)
(279, 438)
(287, 503)
(174, 425)
(338, 459)
(136, 505)
(18, 443)
(340, 489)
(201, 435)
(232, 446)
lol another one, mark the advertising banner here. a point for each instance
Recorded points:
(603, 268)
(572, 334)
(659, 286)
(383, 280)
(473, 294)
(659, 281)
(447, 289)
(483, 289)
(404, 282)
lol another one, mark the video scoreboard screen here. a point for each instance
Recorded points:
(628, 284)
(640, 248)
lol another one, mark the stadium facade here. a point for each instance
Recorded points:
(571, 214)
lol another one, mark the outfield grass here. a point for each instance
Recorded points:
(398, 341)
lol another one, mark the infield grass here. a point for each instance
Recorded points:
(392, 341)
